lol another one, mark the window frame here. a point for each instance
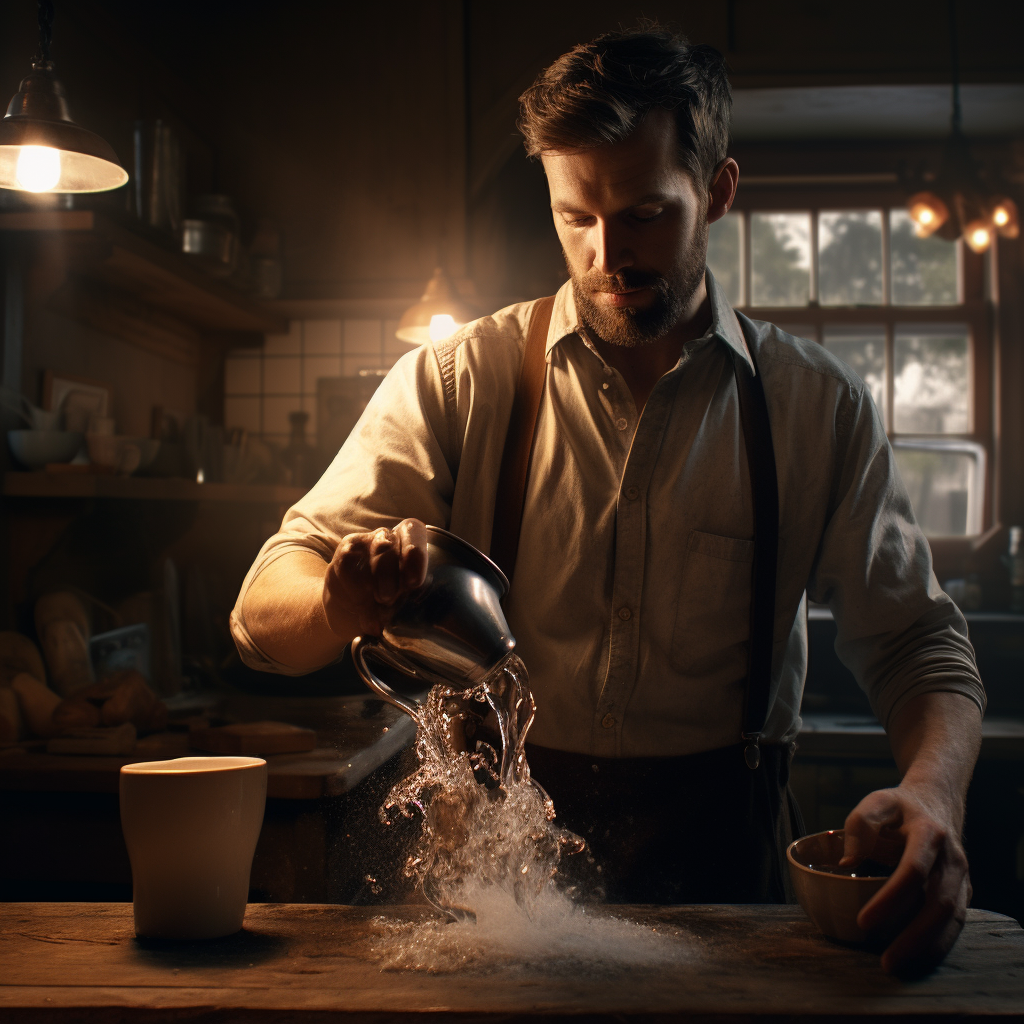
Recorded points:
(975, 309)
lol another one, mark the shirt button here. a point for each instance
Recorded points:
(604, 386)
(632, 493)
(621, 423)
(608, 721)
(625, 614)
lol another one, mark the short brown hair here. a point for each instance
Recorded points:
(599, 92)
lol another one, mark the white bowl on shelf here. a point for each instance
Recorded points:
(36, 448)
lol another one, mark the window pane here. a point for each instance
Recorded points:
(945, 481)
(924, 270)
(724, 242)
(862, 348)
(780, 259)
(931, 385)
(850, 257)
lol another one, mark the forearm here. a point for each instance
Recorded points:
(935, 739)
(284, 613)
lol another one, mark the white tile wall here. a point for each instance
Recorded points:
(262, 386)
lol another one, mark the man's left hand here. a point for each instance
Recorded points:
(930, 886)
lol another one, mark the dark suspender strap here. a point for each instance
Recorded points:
(764, 486)
(515, 459)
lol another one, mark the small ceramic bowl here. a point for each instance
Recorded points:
(121, 454)
(36, 448)
(831, 896)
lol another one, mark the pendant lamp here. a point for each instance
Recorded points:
(41, 148)
(439, 313)
(957, 203)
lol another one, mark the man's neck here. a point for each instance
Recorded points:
(642, 366)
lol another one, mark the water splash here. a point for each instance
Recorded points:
(486, 824)
(516, 890)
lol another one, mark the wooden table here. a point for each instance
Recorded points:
(80, 962)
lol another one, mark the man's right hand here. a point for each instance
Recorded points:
(370, 574)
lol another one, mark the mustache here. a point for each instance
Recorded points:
(625, 280)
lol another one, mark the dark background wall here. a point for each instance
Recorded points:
(382, 137)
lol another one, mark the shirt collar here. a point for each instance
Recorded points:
(724, 323)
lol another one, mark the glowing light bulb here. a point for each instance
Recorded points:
(928, 212)
(978, 236)
(38, 168)
(442, 325)
(1000, 217)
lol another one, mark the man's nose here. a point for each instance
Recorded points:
(611, 252)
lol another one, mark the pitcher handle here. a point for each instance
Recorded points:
(373, 681)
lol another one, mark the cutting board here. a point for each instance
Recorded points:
(253, 738)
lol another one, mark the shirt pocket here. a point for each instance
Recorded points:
(712, 624)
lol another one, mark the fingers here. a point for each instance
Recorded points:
(370, 573)
(384, 551)
(901, 895)
(411, 535)
(864, 824)
(925, 899)
(933, 931)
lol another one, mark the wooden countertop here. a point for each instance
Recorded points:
(368, 741)
(80, 962)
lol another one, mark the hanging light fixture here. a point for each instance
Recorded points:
(438, 315)
(41, 148)
(957, 203)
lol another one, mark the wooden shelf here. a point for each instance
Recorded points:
(91, 485)
(122, 282)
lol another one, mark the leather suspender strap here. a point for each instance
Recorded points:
(764, 484)
(515, 459)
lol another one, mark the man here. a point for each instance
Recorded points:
(631, 592)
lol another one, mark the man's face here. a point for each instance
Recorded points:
(633, 230)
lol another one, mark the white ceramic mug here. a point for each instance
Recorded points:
(191, 825)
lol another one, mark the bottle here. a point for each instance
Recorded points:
(1015, 562)
(300, 458)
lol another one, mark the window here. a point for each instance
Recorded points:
(906, 313)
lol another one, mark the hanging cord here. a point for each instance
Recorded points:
(45, 33)
(954, 57)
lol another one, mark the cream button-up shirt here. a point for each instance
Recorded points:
(631, 594)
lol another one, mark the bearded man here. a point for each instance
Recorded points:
(687, 465)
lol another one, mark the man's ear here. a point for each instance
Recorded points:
(722, 191)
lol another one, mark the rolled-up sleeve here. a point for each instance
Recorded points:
(395, 464)
(898, 633)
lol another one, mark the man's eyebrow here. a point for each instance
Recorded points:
(651, 197)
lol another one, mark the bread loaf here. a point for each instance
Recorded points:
(62, 623)
(75, 713)
(10, 716)
(19, 654)
(37, 702)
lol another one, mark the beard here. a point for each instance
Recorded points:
(630, 326)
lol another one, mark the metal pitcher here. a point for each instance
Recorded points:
(451, 630)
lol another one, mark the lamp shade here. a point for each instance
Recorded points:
(438, 314)
(928, 212)
(43, 150)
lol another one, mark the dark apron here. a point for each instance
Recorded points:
(703, 828)
(710, 827)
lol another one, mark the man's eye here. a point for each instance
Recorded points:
(646, 213)
(576, 221)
